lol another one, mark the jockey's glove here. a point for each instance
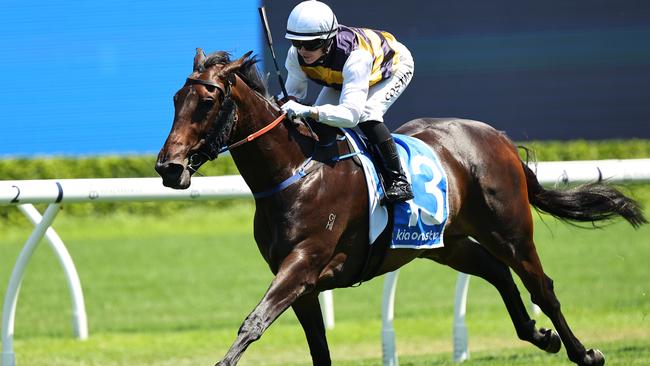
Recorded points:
(297, 110)
(280, 99)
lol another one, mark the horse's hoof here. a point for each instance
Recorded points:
(554, 343)
(593, 357)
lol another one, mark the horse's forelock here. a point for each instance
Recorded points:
(215, 58)
(247, 71)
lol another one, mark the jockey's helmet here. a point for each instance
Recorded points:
(311, 20)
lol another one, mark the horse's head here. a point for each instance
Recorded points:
(204, 117)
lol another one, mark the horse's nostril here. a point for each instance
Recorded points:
(160, 167)
(169, 170)
(175, 170)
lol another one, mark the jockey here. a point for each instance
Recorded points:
(362, 71)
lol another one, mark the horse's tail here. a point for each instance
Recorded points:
(589, 202)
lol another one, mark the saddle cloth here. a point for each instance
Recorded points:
(418, 223)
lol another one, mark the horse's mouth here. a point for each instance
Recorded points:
(174, 176)
(181, 183)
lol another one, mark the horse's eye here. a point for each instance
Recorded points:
(210, 88)
(207, 101)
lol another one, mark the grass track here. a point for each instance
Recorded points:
(173, 291)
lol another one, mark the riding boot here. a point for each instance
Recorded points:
(398, 189)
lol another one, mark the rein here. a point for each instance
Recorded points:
(255, 135)
(226, 92)
(196, 159)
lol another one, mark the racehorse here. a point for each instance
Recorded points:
(313, 230)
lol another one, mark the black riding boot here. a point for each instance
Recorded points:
(395, 183)
(398, 189)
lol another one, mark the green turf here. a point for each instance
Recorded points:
(174, 290)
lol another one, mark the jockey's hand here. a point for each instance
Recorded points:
(283, 100)
(297, 110)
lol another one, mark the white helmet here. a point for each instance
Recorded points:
(311, 20)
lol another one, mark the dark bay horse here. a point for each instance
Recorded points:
(313, 230)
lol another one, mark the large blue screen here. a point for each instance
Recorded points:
(97, 77)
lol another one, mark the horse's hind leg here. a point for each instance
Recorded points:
(469, 257)
(540, 287)
(505, 227)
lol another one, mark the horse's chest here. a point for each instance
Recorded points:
(272, 235)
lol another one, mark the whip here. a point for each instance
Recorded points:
(269, 41)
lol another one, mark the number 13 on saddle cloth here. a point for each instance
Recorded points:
(418, 223)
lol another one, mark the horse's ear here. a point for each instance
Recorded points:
(199, 58)
(235, 65)
(246, 55)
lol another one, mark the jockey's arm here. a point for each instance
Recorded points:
(296, 83)
(354, 93)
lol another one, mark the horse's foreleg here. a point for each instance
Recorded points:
(307, 309)
(295, 278)
(469, 257)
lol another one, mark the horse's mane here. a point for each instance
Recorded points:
(251, 76)
(248, 72)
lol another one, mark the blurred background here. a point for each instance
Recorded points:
(535, 69)
(97, 77)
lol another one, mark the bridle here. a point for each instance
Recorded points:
(220, 87)
(200, 156)
(196, 159)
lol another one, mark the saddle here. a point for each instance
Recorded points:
(415, 224)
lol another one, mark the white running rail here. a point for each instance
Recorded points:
(25, 193)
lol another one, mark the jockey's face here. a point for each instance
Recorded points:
(310, 56)
(311, 50)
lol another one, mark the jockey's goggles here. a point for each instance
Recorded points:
(311, 45)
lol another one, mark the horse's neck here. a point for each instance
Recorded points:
(273, 156)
